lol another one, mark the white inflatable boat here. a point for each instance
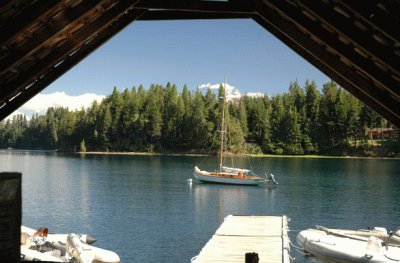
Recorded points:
(341, 247)
(38, 245)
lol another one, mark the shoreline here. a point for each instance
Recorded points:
(309, 156)
(240, 155)
(143, 153)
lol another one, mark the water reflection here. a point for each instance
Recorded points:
(149, 200)
(223, 200)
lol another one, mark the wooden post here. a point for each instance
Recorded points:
(10, 217)
(251, 257)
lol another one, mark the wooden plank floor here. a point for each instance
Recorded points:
(238, 235)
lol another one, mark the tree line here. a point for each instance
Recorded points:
(303, 120)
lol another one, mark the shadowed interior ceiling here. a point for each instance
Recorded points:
(356, 43)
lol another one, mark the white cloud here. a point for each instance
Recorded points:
(231, 91)
(41, 102)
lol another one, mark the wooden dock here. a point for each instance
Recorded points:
(238, 235)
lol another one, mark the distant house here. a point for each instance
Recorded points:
(382, 133)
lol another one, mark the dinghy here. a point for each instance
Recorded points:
(392, 238)
(335, 245)
(39, 245)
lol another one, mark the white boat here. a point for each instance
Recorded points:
(335, 245)
(230, 175)
(39, 245)
(392, 238)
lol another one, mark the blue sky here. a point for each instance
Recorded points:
(192, 52)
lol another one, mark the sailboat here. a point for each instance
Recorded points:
(230, 175)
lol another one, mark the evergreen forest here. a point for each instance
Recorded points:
(304, 120)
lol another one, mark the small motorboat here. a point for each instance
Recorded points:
(39, 245)
(337, 245)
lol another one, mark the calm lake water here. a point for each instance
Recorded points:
(143, 207)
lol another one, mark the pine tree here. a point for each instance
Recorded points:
(105, 128)
(172, 116)
(198, 123)
(153, 117)
(311, 122)
(212, 117)
(327, 118)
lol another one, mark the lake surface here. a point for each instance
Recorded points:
(144, 209)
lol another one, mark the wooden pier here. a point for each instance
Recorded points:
(238, 235)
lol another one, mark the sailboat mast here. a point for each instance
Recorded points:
(221, 153)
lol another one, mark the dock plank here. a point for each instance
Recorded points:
(239, 235)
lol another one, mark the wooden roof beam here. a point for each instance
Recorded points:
(327, 63)
(13, 26)
(59, 53)
(185, 15)
(366, 66)
(199, 5)
(54, 73)
(381, 20)
(346, 28)
(66, 20)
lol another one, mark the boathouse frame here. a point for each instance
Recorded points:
(356, 43)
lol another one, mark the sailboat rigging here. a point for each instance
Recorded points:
(230, 175)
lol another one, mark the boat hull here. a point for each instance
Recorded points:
(333, 248)
(56, 247)
(379, 232)
(227, 179)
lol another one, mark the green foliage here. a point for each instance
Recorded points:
(302, 121)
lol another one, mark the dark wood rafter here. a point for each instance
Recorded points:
(71, 60)
(344, 26)
(55, 29)
(328, 63)
(199, 6)
(29, 16)
(192, 9)
(56, 55)
(356, 43)
(375, 16)
(184, 15)
(331, 40)
(378, 49)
